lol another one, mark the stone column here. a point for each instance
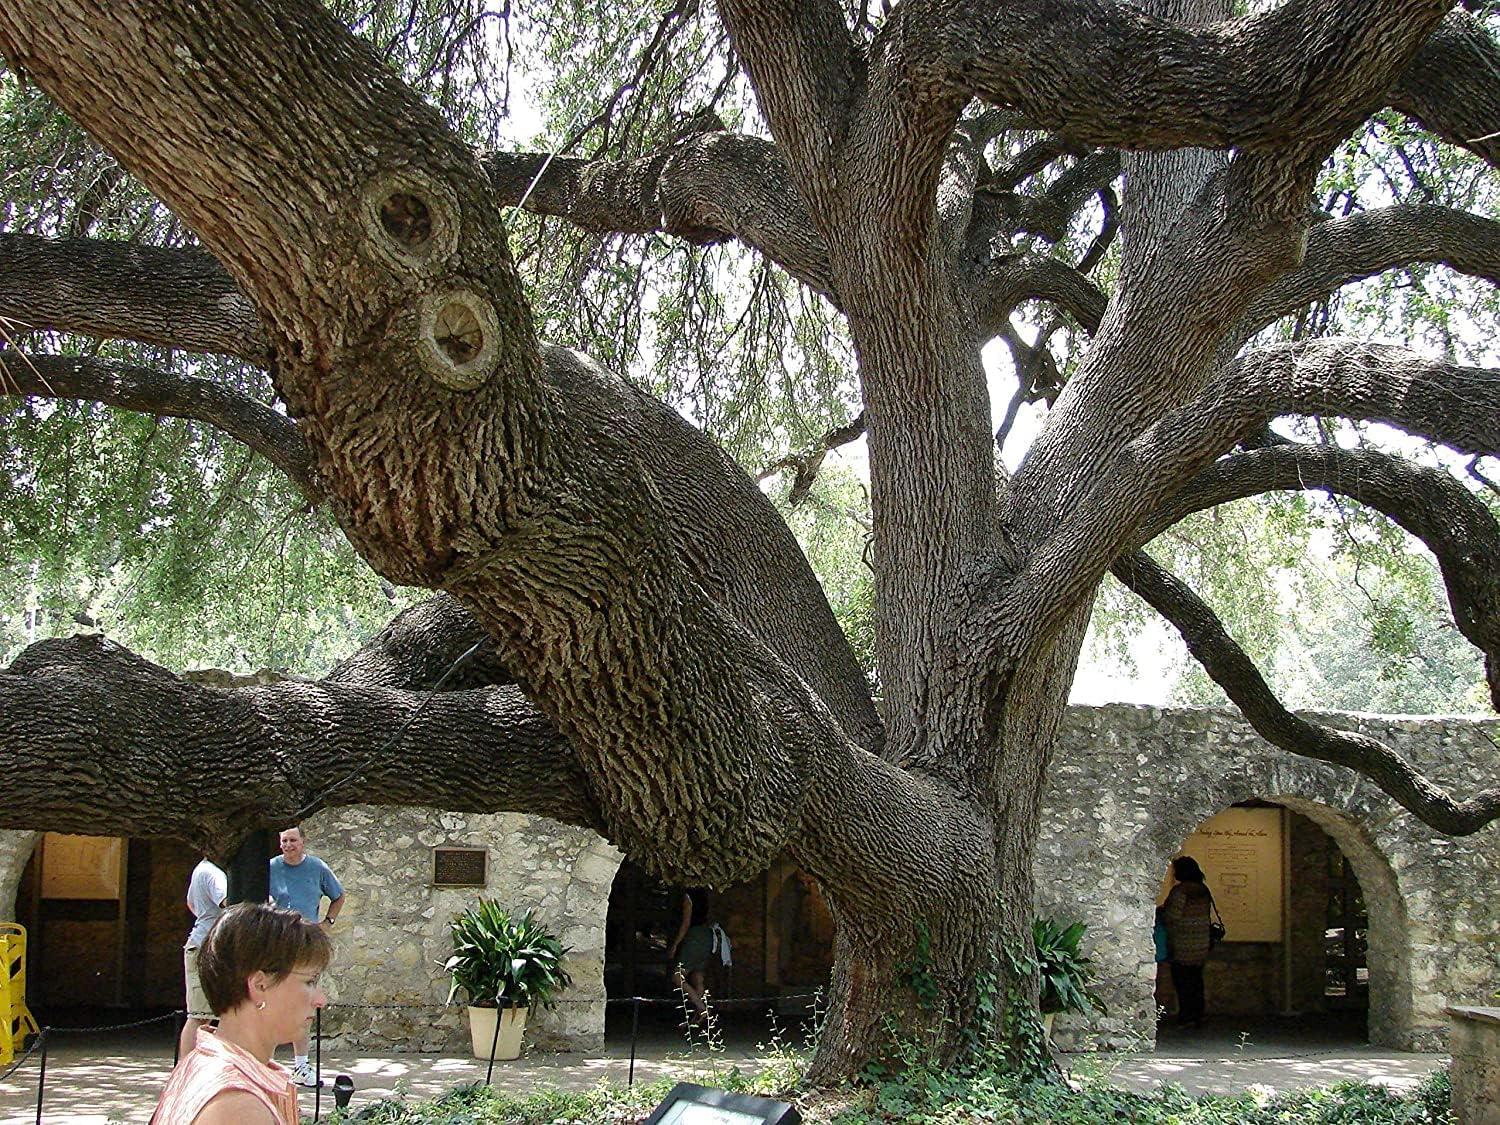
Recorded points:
(1475, 1043)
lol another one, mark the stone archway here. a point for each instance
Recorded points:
(1390, 1013)
(1389, 954)
(15, 851)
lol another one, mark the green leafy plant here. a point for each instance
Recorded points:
(1065, 973)
(917, 973)
(505, 962)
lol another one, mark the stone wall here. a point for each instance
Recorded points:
(15, 850)
(1476, 1066)
(1130, 784)
(392, 935)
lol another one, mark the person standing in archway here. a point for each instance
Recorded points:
(697, 940)
(1187, 915)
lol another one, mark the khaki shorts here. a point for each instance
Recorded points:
(197, 1002)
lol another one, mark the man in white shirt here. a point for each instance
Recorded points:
(207, 890)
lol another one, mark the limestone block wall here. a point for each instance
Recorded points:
(392, 935)
(1130, 784)
(1476, 1066)
(15, 850)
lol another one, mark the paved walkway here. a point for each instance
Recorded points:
(86, 1086)
(1226, 1059)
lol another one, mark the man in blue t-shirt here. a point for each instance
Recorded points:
(298, 882)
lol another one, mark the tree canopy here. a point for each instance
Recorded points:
(307, 231)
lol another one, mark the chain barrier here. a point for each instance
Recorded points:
(636, 1003)
(664, 1001)
(115, 1026)
(47, 1030)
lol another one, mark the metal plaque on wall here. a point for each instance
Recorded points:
(458, 867)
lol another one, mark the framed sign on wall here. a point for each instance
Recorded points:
(1240, 852)
(87, 867)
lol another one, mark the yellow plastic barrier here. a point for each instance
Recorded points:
(16, 1022)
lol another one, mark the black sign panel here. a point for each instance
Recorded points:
(458, 867)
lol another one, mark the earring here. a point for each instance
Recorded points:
(261, 1007)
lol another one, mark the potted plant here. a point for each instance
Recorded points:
(1065, 973)
(506, 966)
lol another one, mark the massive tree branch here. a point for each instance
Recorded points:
(119, 290)
(1452, 87)
(1456, 527)
(131, 387)
(704, 188)
(95, 739)
(1368, 243)
(1233, 671)
(1446, 402)
(806, 72)
(762, 579)
(1108, 74)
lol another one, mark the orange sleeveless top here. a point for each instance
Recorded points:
(215, 1065)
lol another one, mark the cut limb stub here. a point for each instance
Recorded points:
(408, 220)
(460, 337)
(458, 332)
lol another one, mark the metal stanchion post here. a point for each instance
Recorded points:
(635, 1030)
(490, 1070)
(41, 1079)
(318, 1063)
(177, 1039)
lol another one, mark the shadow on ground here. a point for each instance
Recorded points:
(93, 1078)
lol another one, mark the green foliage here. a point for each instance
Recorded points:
(1337, 606)
(174, 540)
(917, 975)
(501, 961)
(926, 1096)
(1064, 971)
(832, 525)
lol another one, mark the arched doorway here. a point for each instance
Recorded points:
(779, 927)
(1313, 916)
(105, 920)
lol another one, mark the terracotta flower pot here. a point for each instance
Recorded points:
(482, 1031)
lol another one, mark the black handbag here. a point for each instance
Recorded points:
(1216, 930)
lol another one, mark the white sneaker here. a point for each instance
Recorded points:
(303, 1075)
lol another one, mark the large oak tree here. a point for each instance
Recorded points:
(656, 660)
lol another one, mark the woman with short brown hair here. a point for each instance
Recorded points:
(259, 967)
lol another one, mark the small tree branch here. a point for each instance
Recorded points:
(809, 461)
(1011, 279)
(1455, 526)
(1233, 671)
(1371, 242)
(131, 387)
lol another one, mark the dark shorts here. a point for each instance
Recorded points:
(697, 946)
